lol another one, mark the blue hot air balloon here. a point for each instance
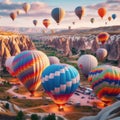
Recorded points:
(60, 81)
(114, 16)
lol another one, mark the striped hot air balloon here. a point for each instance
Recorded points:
(107, 84)
(28, 67)
(60, 81)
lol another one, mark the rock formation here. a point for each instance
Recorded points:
(12, 44)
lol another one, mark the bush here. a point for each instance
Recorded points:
(20, 116)
(7, 105)
(34, 117)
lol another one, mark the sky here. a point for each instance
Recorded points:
(41, 9)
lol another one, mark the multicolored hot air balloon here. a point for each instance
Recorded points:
(53, 60)
(86, 63)
(46, 22)
(35, 22)
(8, 65)
(13, 15)
(80, 11)
(114, 16)
(28, 67)
(103, 37)
(58, 14)
(102, 12)
(107, 84)
(26, 7)
(92, 20)
(60, 81)
(101, 53)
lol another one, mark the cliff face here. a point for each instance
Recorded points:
(12, 44)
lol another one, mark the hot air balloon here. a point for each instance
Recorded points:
(96, 71)
(28, 67)
(35, 22)
(13, 15)
(8, 65)
(102, 12)
(114, 16)
(109, 18)
(60, 81)
(26, 7)
(58, 14)
(107, 84)
(73, 23)
(92, 20)
(46, 22)
(79, 11)
(101, 53)
(69, 27)
(103, 37)
(86, 63)
(53, 60)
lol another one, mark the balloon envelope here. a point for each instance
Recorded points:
(114, 16)
(35, 22)
(46, 22)
(13, 15)
(58, 14)
(26, 7)
(92, 20)
(101, 53)
(8, 65)
(79, 11)
(28, 67)
(102, 12)
(103, 37)
(60, 81)
(53, 60)
(86, 63)
(107, 83)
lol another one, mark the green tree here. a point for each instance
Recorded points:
(20, 116)
(34, 117)
(51, 117)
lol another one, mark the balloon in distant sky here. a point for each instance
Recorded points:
(53, 60)
(73, 23)
(28, 67)
(86, 63)
(26, 7)
(35, 22)
(46, 22)
(101, 53)
(58, 14)
(103, 37)
(8, 65)
(114, 16)
(60, 81)
(92, 20)
(107, 83)
(69, 27)
(109, 18)
(13, 15)
(80, 11)
(102, 12)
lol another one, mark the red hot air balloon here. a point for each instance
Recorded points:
(103, 37)
(46, 22)
(79, 11)
(102, 12)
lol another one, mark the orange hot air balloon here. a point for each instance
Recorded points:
(26, 7)
(46, 22)
(13, 15)
(109, 18)
(79, 11)
(103, 37)
(102, 12)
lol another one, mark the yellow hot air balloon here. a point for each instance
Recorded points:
(58, 14)
(26, 7)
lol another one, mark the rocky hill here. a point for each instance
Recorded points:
(12, 43)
